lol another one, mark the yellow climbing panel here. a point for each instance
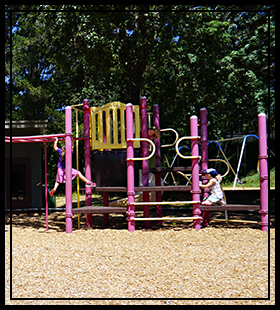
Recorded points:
(108, 130)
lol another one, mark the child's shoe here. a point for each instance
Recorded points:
(52, 192)
(222, 202)
(91, 184)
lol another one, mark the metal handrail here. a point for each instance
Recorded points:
(176, 133)
(186, 138)
(147, 140)
(218, 159)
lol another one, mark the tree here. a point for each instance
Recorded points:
(184, 59)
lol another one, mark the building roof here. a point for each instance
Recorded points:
(25, 127)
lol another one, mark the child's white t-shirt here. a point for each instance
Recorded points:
(216, 190)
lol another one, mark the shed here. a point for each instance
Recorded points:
(24, 179)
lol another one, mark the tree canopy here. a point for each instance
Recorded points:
(182, 57)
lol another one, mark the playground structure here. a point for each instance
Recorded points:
(105, 128)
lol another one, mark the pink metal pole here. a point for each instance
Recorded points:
(158, 161)
(32, 139)
(105, 194)
(46, 189)
(68, 168)
(195, 171)
(263, 171)
(59, 135)
(145, 163)
(86, 111)
(130, 168)
(204, 158)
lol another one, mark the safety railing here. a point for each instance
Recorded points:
(186, 138)
(152, 203)
(176, 139)
(223, 161)
(165, 218)
(147, 140)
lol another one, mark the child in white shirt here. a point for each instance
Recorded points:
(216, 193)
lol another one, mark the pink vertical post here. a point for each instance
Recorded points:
(86, 111)
(145, 163)
(105, 194)
(204, 158)
(263, 171)
(158, 161)
(130, 168)
(46, 189)
(68, 168)
(195, 171)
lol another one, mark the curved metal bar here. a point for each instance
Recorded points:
(218, 159)
(147, 140)
(186, 138)
(182, 174)
(176, 133)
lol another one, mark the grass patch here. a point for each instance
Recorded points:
(252, 180)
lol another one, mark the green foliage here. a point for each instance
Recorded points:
(252, 180)
(185, 59)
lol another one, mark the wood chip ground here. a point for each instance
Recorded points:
(170, 263)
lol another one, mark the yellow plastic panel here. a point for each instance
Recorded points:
(112, 116)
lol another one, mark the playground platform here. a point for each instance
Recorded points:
(98, 209)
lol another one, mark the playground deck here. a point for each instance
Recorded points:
(229, 208)
(104, 210)
(138, 189)
(98, 209)
(170, 169)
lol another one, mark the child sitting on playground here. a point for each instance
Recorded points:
(61, 175)
(216, 192)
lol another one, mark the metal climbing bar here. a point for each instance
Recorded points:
(165, 203)
(186, 138)
(176, 139)
(143, 139)
(165, 218)
(223, 161)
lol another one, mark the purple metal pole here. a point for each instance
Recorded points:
(158, 160)
(204, 159)
(46, 189)
(106, 203)
(263, 171)
(130, 168)
(68, 168)
(195, 171)
(145, 163)
(86, 111)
